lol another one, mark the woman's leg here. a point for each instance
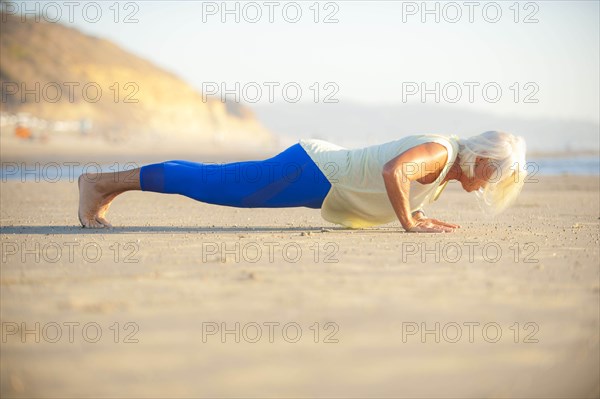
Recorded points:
(289, 179)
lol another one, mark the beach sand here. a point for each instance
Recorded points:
(154, 307)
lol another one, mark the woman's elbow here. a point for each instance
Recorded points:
(391, 173)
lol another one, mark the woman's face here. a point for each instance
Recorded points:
(483, 171)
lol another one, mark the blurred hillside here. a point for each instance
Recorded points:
(58, 80)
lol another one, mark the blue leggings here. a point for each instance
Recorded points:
(289, 179)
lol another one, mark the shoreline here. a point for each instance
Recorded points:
(98, 150)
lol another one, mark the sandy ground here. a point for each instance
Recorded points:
(183, 299)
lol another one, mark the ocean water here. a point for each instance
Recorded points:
(580, 166)
(57, 171)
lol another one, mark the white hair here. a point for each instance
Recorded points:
(506, 154)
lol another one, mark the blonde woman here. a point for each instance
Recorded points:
(355, 188)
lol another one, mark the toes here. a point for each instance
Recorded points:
(95, 225)
(92, 224)
(103, 222)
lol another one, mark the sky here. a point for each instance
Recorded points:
(534, 59)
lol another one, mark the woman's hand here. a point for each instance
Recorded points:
(428, 225)
(399, 172)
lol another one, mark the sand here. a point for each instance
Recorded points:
(505, 307)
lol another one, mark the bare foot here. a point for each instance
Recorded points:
(94, 201)
(97, 191)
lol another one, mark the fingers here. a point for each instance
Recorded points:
(439, 222)
(429, 227)
(431, 230)
(440, 228)
(443, 229)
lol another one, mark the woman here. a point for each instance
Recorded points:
(354, 188)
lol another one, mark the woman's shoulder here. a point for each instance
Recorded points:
(318, 145)
(426, 137)
(450, 142)
(407, 142)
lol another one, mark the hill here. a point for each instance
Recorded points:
(58, 75)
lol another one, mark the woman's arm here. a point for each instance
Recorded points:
(423, 161)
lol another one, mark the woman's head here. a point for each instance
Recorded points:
(493, 166)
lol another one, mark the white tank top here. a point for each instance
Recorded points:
(358, 197)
